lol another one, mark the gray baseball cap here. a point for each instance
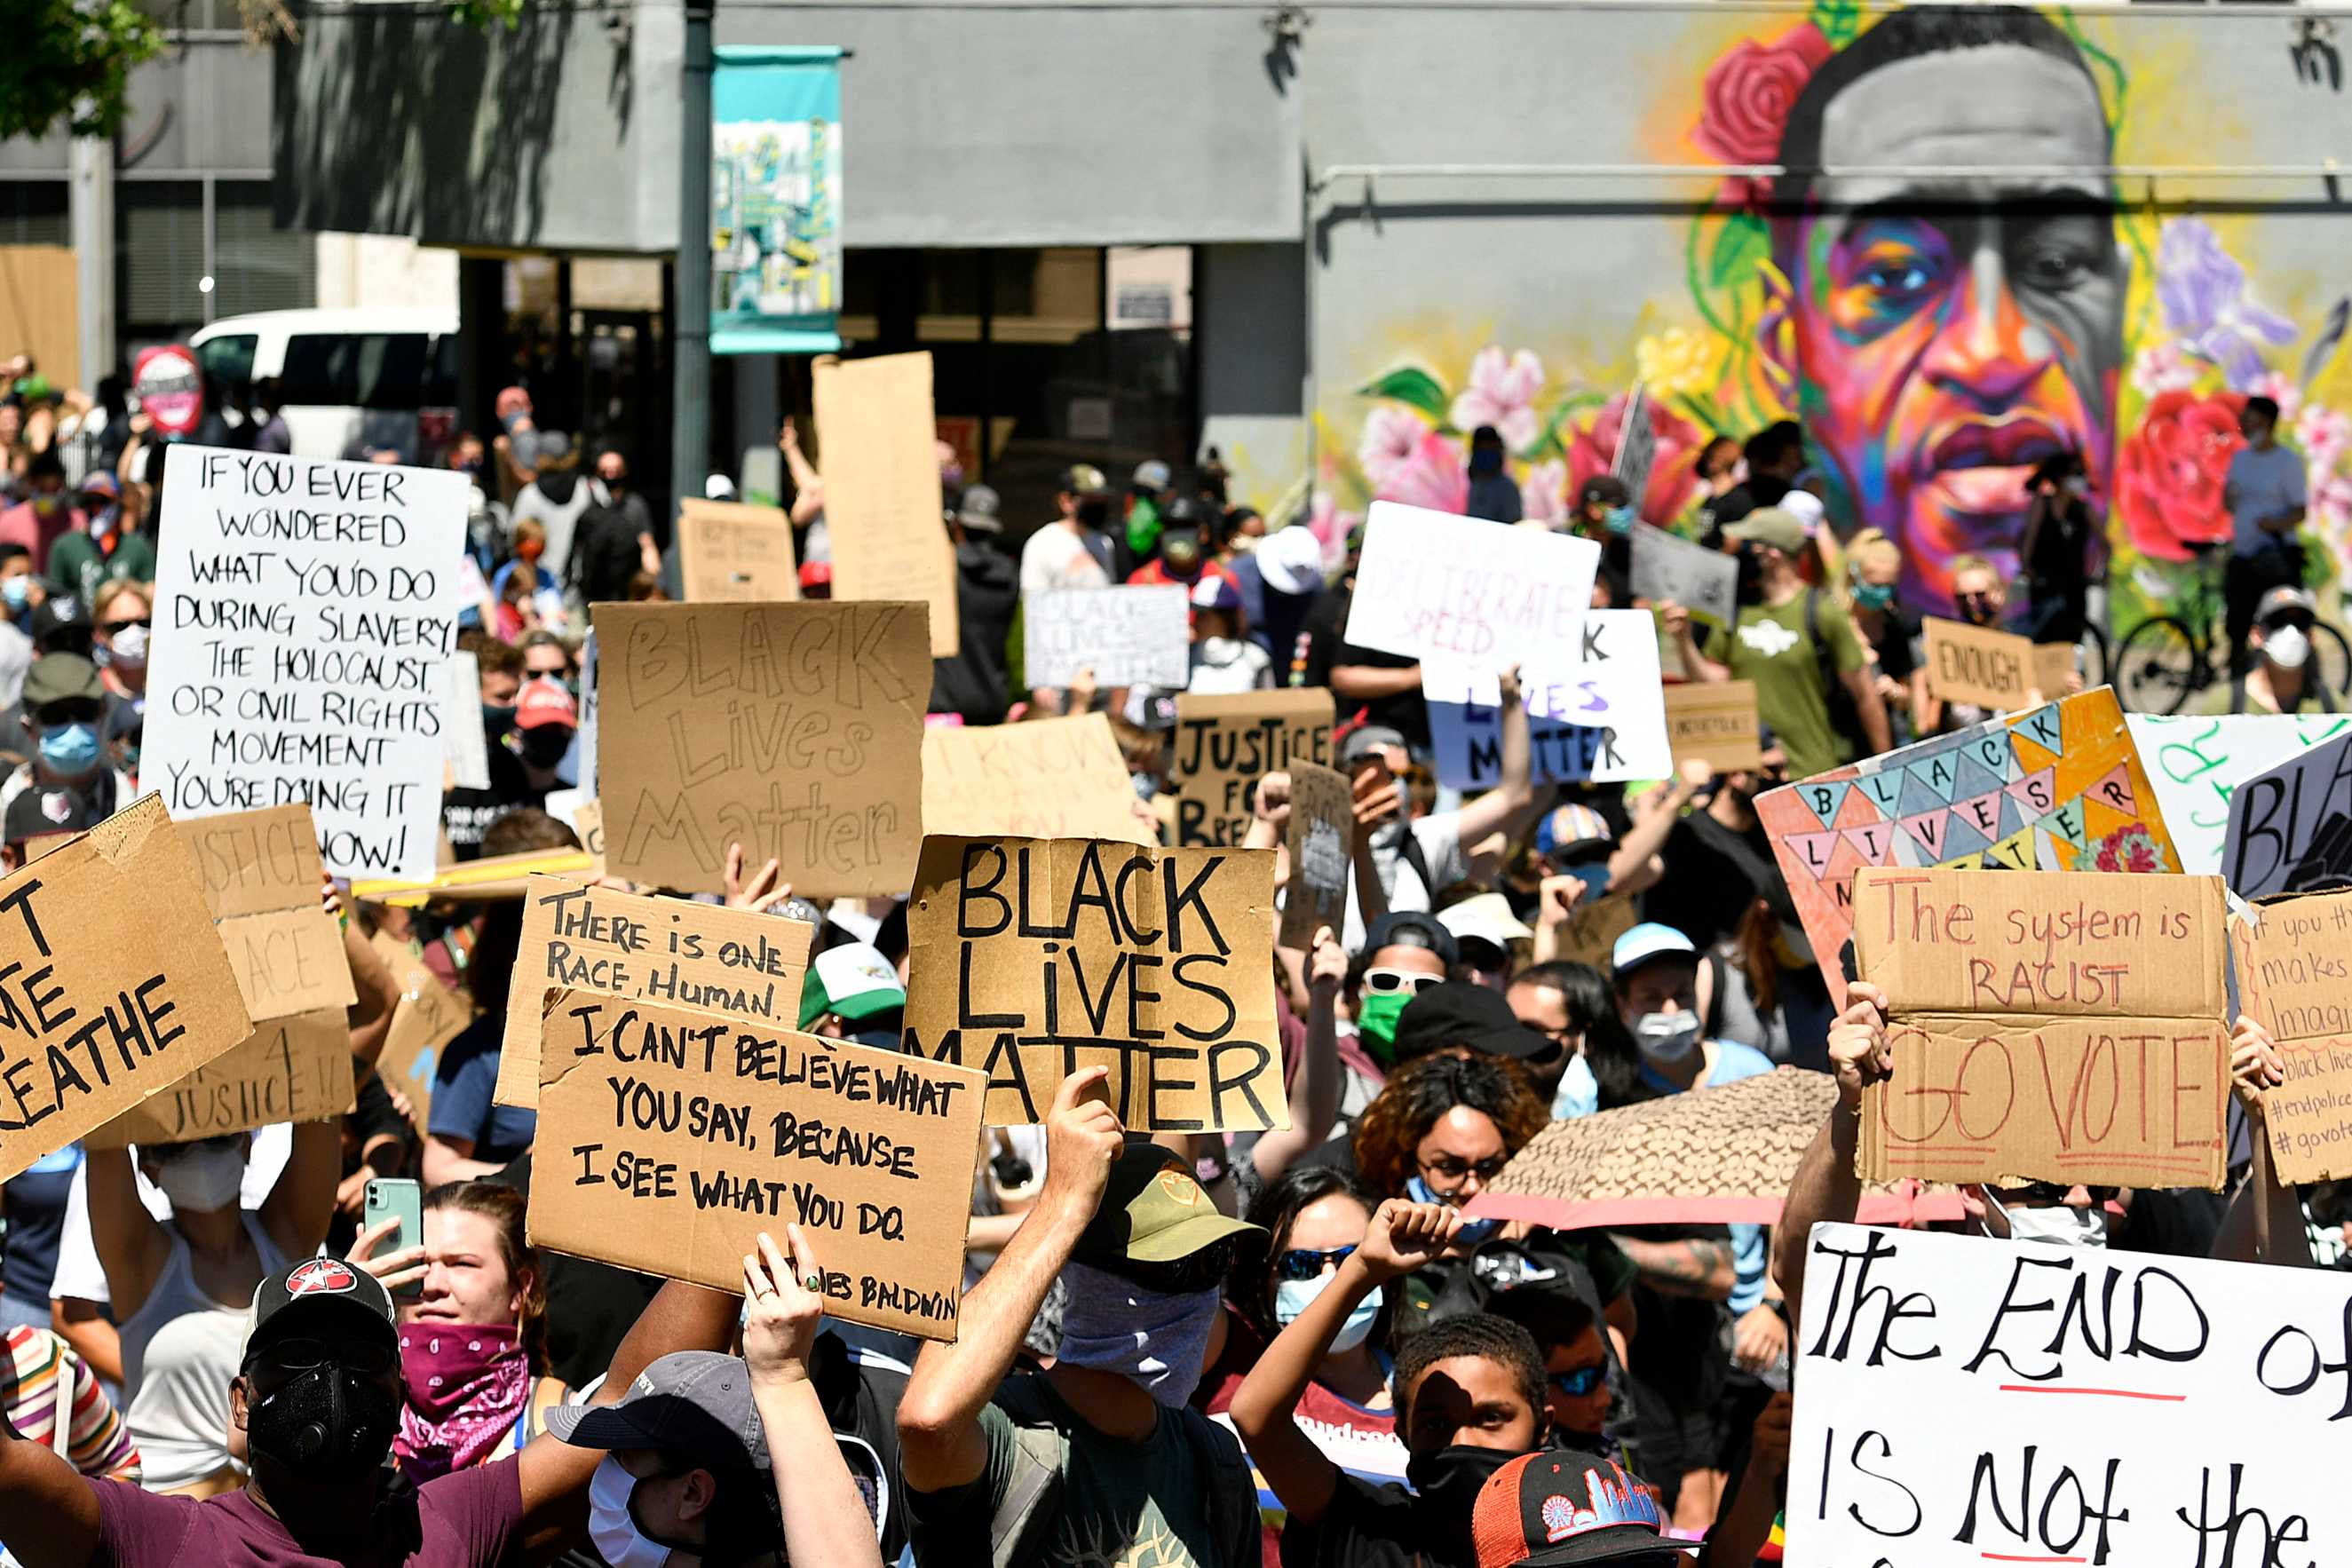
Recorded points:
(695, 1403)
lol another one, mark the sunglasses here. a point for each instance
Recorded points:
(368, 1357)
(2299, 620)
(1309, 1262)
(1578, 1383)
(1455, 1169)
(143, 622)
(72, 712)
(2053, 1193)
(1184, 1276)
(1401, 979)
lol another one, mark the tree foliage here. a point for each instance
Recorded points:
(66, 64)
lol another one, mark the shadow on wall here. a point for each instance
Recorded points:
(392, 121)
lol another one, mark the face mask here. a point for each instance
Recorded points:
(328, 1424)
(17, 591)
(613, 1524)
(2055, 1226)
(1873, 596)
(2287, 647)
(1449, 1480)
(1620, 520)
(1292, 1296)
(1486, 462)
(1158, 1341)
(1471, 1232)
(497, 717)
(69, 749)
(2078, 486)
(1667, 1039)
(545, 746)
(1094, 514)
(466, 1385)
(1376, 1020)
(1182, 552)
(130, 647)
(202, 1178)
(530, 549)
(102, 521)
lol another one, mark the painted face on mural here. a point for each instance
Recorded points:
(1940, 335)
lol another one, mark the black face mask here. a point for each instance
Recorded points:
(1094, 514)
(1448, 1480)
(1750, 588)
(327, 1424)
(544, 747)
(497, 717)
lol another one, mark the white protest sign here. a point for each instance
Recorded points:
(1432, 586)
(2196, 765)
(465, 745)
(1612, 691)
(2290, 825)
(1139, 635)
(305, 613)
(1703, 582)
(1963, 1401)
(584, 744)
(1637, 443)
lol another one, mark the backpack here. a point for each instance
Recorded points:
(1845, 719)
(604, 556)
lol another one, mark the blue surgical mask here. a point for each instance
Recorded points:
(1292, 1297)
(17, 591)
(1472, 1231)
(69, 749)
(1873, 596)
(1620, 518)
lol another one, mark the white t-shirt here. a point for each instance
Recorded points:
(78, 1273)
(1055, 557)
(1439, 838)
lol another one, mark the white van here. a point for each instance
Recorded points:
(352, 379)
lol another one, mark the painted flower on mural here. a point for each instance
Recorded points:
(1543, 492)
(1389, 436)
(2160, 367)
(1748, 94)
(2325, 435)
(1679, 362)
(1433, 476)
(2202, 288)
(1501, 392)
(2129, 848)
(1673, 466)
(2170, 473)
(1331, 528)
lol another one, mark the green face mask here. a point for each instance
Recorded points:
(1376, 1019)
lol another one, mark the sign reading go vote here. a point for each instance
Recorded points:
(1962, 1401)
(2056, 1025)
(1034, 958)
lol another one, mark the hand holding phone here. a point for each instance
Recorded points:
(396, 1198)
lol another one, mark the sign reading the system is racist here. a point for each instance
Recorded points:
(1034, 958)
(1225, 744)
(305, 613)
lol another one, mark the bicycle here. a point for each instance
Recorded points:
(2168, 659)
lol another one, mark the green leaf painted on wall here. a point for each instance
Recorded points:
(1414, 387)
(1839, 20)
(1743, 243)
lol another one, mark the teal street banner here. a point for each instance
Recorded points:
(775, 201)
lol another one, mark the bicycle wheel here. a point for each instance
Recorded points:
(2091, 652)
(2157, 665)
(2332, 658)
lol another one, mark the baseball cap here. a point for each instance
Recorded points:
(544, 700)
(1646, 941)
(1458, 1014)
(1606, 487)
(98, 482)
(1154, 1211)
(321, 1296)
(1412, 928)
(1213, 592)
(1783, 531)
(979, 511)
(1567, 1507)
(1574, 835)
(695, 1403)
(36, 813)
(61, 678)
(1485, 916)
(853, 980)
(1291, 560)
(2280, 600)
(1083, 478)
(1152, 474)
(816, 574)
(1365, 740)
(61, 617)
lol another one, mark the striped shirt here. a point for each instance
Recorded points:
(97, 1441)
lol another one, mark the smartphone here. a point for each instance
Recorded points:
(396, 1197)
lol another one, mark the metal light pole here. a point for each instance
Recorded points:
(690, 329)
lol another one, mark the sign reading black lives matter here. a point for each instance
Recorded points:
(1036, 957)
(304, 614)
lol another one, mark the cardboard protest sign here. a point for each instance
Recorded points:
(2056, 789)
(100, 1010)
(1224, 745)
(1432, 586)
(465, 746)
(260, 875)
(290, 1069)
(1962, 1401)
(2294, 978)
(1590, 933)
(1703, 582)
(1982, 665)
(794, 730)
(2063, 1027)
(1717, 723)
(1043, 778)
(1637, 443)
(1032, 958)
(729, 553)
(1322, 839)
(2052, 663)
(427, 1016)
(2291, 827)
(878, 449)
(676, 952)
(1612, 689)
(1139, 635)
(669, 1139)
(2197, 764)
(305, 613)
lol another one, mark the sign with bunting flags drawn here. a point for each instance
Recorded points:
(2057, 788)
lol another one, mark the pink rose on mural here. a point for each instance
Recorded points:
(1748, 97)
(2170, 474)
(1543, 492)
(1674, 467)
(1389, 435)
(1331, 528)
(1433, 477)
(1502, 394)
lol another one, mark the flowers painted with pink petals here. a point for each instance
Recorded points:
(1390, 433)
(1543, 493)
(1501, 392)
(1432, 476)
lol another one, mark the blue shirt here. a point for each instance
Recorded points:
(36, 1200)
(462, 1107)
(2263, 484)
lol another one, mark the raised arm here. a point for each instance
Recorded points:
(51, 1511)
(824, 1519)
(1499, 808)
(1826, 1187)
(132, 1247)
(1675, 621)
(301, 1204)
(2264, 1222)
(939, 1441)
(1315, 1092)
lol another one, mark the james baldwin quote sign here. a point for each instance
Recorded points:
(1963, 1401)
(668, 1139)
(1034, 958)
(304, 614)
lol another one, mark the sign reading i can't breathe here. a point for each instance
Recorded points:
(305, 613)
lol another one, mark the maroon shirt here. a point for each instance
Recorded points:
(472, 1517)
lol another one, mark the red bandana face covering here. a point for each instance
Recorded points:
(467, 1384)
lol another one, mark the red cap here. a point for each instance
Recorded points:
(543, 700)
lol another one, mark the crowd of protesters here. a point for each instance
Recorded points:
(1291, 1348)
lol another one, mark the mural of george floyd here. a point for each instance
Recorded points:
(1952, 242)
